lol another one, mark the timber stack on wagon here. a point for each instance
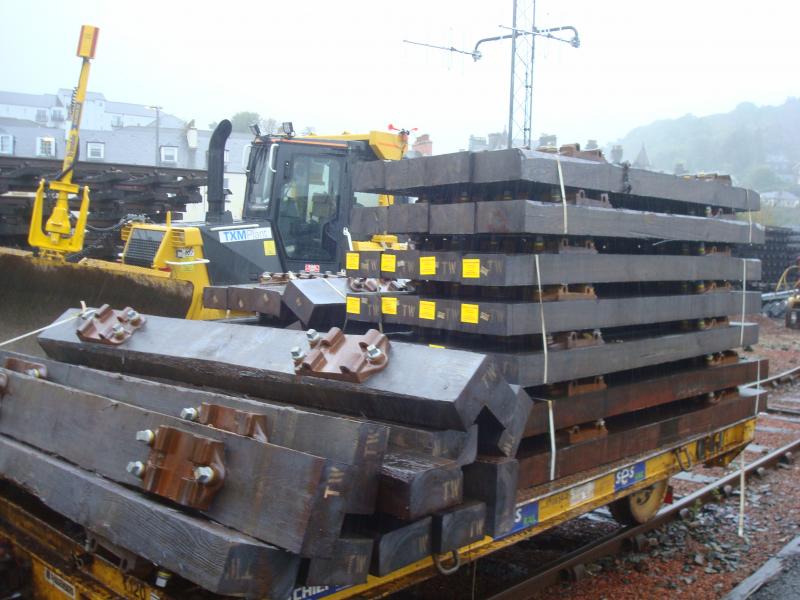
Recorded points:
(550, 314)
(596, 288)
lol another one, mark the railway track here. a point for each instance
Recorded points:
(571, 566)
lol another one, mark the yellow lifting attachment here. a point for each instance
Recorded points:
(59, 238)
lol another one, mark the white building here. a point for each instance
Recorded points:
(35, 126)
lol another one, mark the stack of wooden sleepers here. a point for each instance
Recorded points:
(609, 294)
(537, 339)
(214, 451)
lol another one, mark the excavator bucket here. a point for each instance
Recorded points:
(35, 291)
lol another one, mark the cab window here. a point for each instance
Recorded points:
(309, 200)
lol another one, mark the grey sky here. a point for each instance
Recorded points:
(342, 65)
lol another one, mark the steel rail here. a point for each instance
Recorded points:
(620, 540)
(774, 381)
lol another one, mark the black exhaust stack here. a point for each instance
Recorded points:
(216, 171)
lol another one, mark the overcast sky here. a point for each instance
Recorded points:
(342, 64)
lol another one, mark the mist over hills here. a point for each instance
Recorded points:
(759, 146)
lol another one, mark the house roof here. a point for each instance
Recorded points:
(34, 100)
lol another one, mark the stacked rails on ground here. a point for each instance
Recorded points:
(117, 191)
(779, 251)
(598, 304)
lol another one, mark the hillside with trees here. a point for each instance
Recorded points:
(759, 146)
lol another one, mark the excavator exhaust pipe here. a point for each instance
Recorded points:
(216, 174)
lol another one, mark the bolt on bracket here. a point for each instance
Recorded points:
(108, 326)
(184, 467)
(344, 357)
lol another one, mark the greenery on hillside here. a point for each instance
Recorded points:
(758, 146)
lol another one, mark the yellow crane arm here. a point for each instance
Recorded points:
(58, 237)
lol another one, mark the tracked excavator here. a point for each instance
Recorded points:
(295, 215)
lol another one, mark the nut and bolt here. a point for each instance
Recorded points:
(189, 413)
(133, 317)
(204, 475)
(297, 355)
(374, 354)
(312, 335)
(145, 435)
(136, 468)
(34, 372)
(118, 331)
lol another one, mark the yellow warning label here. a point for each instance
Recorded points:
(269, 247)
(427, 310)
(353, 305)
(469, 313)
(389, 305)
(427, 265)
(471, 268)
(351, 262)
(388, 262)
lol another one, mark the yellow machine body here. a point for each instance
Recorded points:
(179, 258)
(38, 286)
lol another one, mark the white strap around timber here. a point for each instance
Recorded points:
(80, 313)
(541, 316)
(334, 288)
(563, 192)
(551, 425)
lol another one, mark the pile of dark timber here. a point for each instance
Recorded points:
(117, 191)
(286, 299)
(609, 294)
(237, 458)
(779, 251)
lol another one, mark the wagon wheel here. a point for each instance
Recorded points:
(640, 506)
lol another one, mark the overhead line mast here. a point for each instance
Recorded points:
(520, 104)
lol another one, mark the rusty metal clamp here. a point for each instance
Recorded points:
(108, 326)
(241, 422)
(183, 467)
(351, 358)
